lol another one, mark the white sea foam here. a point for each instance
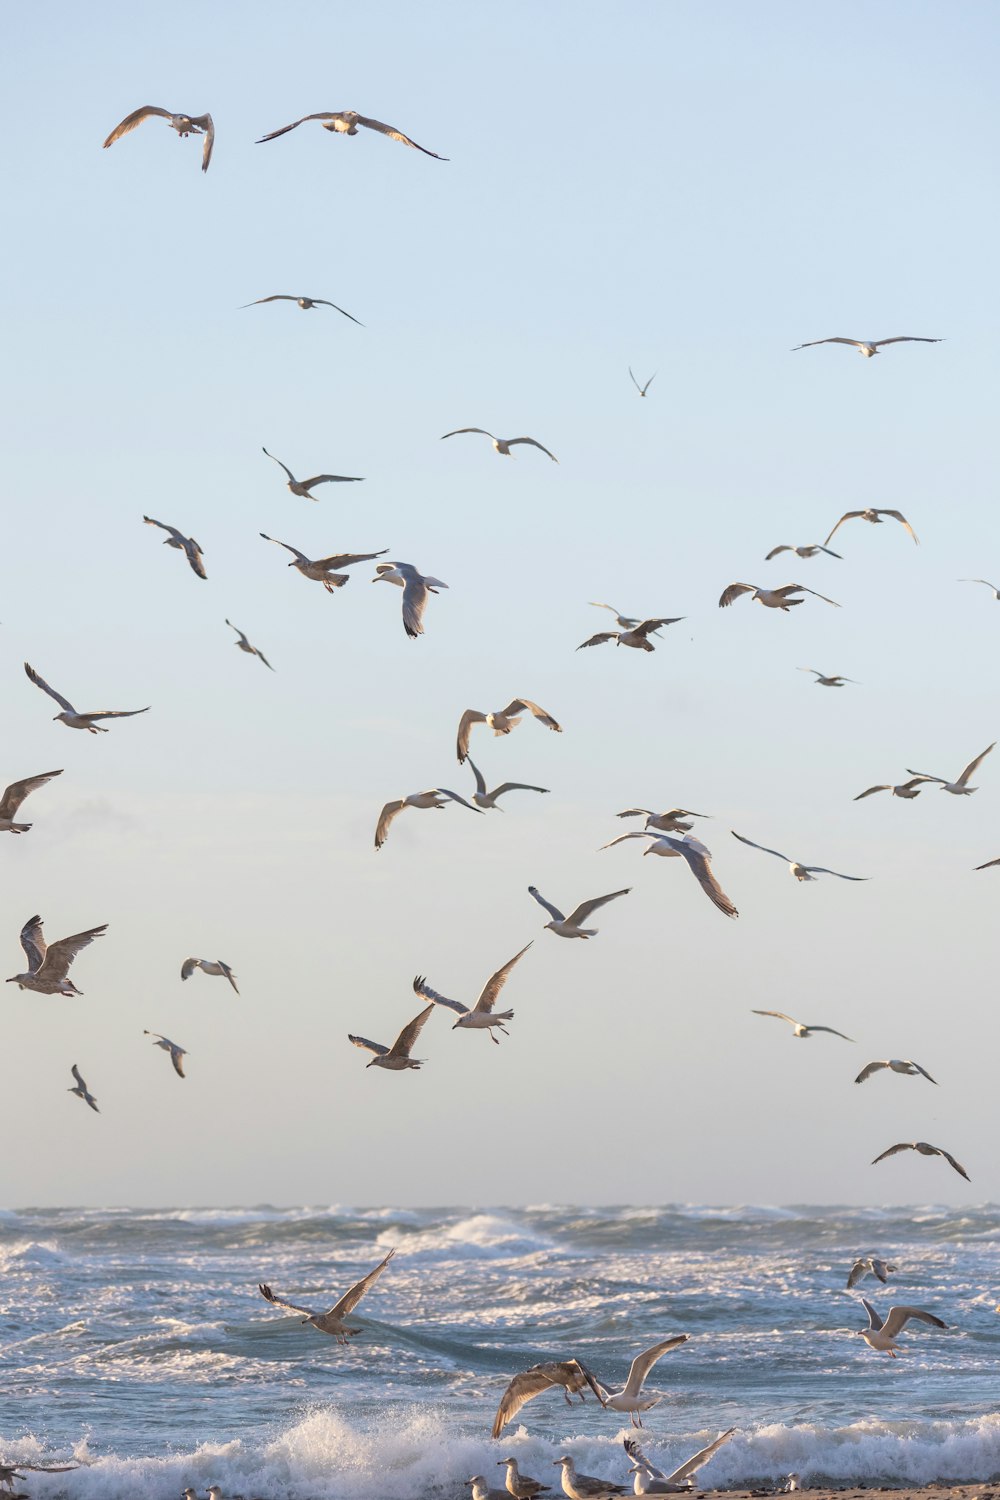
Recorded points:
(480, 1236)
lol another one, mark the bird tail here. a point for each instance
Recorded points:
(510, 725)
(19, 827)
(503, 1015)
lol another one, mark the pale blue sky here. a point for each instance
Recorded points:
(687, 188)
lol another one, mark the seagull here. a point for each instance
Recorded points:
(569, 927)
(332, 1322)
(571, 1374)
(625, 622)
(801, 872)
(582, 1486)
(244, 645)
(501, 445)
(996, 591)
(177, 1054)
(183, 124)
(895, 1065)
(671, 821)
(959, 788)
(771, 598)
(521, 1486)
(397, 1057)
(306, 303)
(415, 585)
(650, 1480)
(346, 122)
(907, 789)
(208, 966)
(809, 551)
(822, 681)
(630, 1397)
(482, 1016)
(10, 1472)
(881, 1335)
(488, 800)
(81, 1090)
(74, 720)
(303, 486)
(48, 966)
(15, 794)
(699, 861)
(324, 569)
(642, 389)
(185, 544)
(481, 1490)
(870, 347)
(869, 1266)
(635, 637)
(792, 1483)
(875, 517)
(800, 1029)
(925, 1150)
(437, 797)
(501, 721)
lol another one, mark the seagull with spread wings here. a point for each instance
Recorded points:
(183, 124)
(642, 389)
(870, 347)
(699, 862)
(649, 1480)
(177, 1054)
(671, 821)
(869, 1265)
(571, 1374)
(415, 585)
(570, 927)
(501, 721)
(306, 303)
(881, 1333)
(324, 569)
(799, 1028)
(74, 720)
(960, 787)
(16, 793)
(437, 797)
(244, 645)
(636, 636)
(771, 598)
(332, 1322)
(925, 1150)
(48, 965)
(895, 1065)
(501, 445)
(824, 681)
(213, 966)
(488, 800)
(185, 544)
(800, 871)
(906, 789)
(875, 517)
(301, 487)
(809, 551)
(481, 1016)
(397, 1057)
(346, 122)
(630, 1398)
(81, 1090)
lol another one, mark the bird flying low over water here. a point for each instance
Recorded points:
(346, 122)
(177, 1054)
(799, 1028)
(809, 551)
(630, 1398)
(74, 720)
(635, 636)
(303, 486)
(501, 445)
(569, 927)
(15, 794)
(481, 1016)
(881, 1334)
(184, 125)
(332, 1322)
(875, 517)
(305, 303)
(869, 1265)
(642, 389)
(437, 797)
(208, 966)
(488, 800)
(771, 598)
(397, 1057)
(48, 965)
(501, 721)
(872, 346)
(324, 569)
(415, 585)
(81, 1090)
(906, 789)
(924, 1150)
(699, 862)
(960, 787)
(895, 1065)
(823, 681)
(571, 1374)
(185, 544)
(801, 872)
(244, 645)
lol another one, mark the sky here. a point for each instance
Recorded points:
(684, 188)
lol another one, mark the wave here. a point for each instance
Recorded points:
(475, 1237)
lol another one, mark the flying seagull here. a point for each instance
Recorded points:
(809, 551)
(630, 1397)
(636, 636)
(699, 862)
(906, 789)
(185, 544)
(501, 445)
(625, 622)
(397, 1057)
(437, 797)
(996, 591)
(869, 1265)
(48, 966)
(74, 720)
(305, 303)
(960, 787)
(16, 793)
(332, 1322)
(823, 681)
(244, 645)
(488, 800)
(302, 487)
(771, 598)
(208, 966)
(881, 1334)
(183, 124)
(799, 1028)
(501, 721)
(642, 389)
(925, 1150)
(585, 1486)
(895, 1065)
(324, 569)
(521, 1486)
(650, 1480)
(346, 122)
(81, 1090)
(571, 1374)
(415, 585)
(875, 517)
(481, 1017)
(177, 1054)
(569, 927)
(671, 821)
(10, 1472)
(870, 347)
(801, 872)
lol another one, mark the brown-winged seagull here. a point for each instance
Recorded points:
(501, 721)
(906, 789)
(81, 1090)
(74, 720)
(799, 1028)
(895, 1065)
(585, 1486)
(881, 1333)
(571, 1374)
(875, 517)
(185, 544)
(488, 800)
(807, 551)
(637, 637)
(521, 1486)
(960, 786)
(244, 645)
(48, 965)
(501, 445)
(332, 1322)
(346, 122)
(924, 1150)
(397, 1057)
(699, 862)
(630, 1398)
(481, 1016)
(324, 569)
(570, 927)
(823, 681)
(306, 304)
(869, 1265)
(177, 1054)
(771, 598)
(437, 797)
(213, 966)
(800, 871)
(16, 793)
(184, 125)
(415, 585)
(870, 347)
(301, 487)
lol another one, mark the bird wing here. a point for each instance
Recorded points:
(798, 588)
(905, 338)
(228, 973)
(517, 786)
(456, 798)
(760, 847)
(644, 1362)
(953, 1163)
(829, 553)
(897, 1318)
(528, 1384)
(385, 817)
(866, 1072)
(397, 135)
(699, 1459)
(164, 527)
(922, 776)
(208, 125)
(922, 1071)
(415, 593)
(582, 912)
(873, 789)
(351, 1298)
(257, 652)
(403, 1043)
(177, 1055)
(599, 639)
(19, 790)
(117, 713)
(849, 515)
(275, 297)
(893, 1151)
(733, 591)
(367, 1046)
(635, 382)
(323, 115)
(188, 967)
(860, 1268)
(897, 515)
(421, 987)
(635, 812)
(76, 1074)
(513, 442)
(193, 554)
(553, 911)
(33, 944)
(623, 836)
(269, 1296)
(858, 344)
(779, 1015)
(832, 1032)
(300, 555)
(973, 766)
(322, 302)
(632, 1448)
(518, 705)
(495, 984)
(40, 682)
(645, 627)
(470, 716)
(348, 559)
(874, 1321)
(239, 632)
(291, 476)
(699, 863)
(136, 118)
(480, 780)
(59, 956)
(988, 864)
(822, 870)
(332, 479)
(459, 430)
(774, 553)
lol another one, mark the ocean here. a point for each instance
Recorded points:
(137, 1341)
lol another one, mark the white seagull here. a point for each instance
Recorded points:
(569, 927)
(924, 1150)
(584, 1486)
(960, 787)
(346, 122)
(481, 1017)
(895, 1065)
(642, 389)
(906, 789)
(488, 800)
(808, 551)
(397, 1057)
(630, 1397)
(824, 681)
(771, 598)
(184, 125)
(332, 1322)
(48, 965)
(869, 1265)
(81, 1090)
(875, 517)
(571, 1374)
(324, 569)
(415, 585)
(799, 1028)
(244, 645)
(501, 445)
(650, 1480)
(185, 544)
(208, 966)
(671, 821)
(501, 721)
(635, 637)
(74, 720)
(483, 1490)
(699, 862)
(302, 487)
(869, 347)
(306, 303)
(881, 1334)
(521, 1486)
(16, 793)
(437, 797)
(177, 1054)
(800, 871)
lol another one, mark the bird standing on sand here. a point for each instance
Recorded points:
(184, 125)
(521, 1486)
(48, 965)
(332, 1322)
(881, 1334)
(81, 1090)
(799, 1028)
(924, 1150)
(185, 544)
(415, 585)
(501, 721)
(346, 122)
(571, 1374)
(74, 720)
(569, 927)
(213, 966)
(584, 1486)
(481, 1017)
(500, 445)
(16, 793)
(177, 1054)
(960, 787)
(302, 487)
(397, 1057)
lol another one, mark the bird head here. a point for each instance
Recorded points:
(14, 979)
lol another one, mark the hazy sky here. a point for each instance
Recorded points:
(688, 188)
